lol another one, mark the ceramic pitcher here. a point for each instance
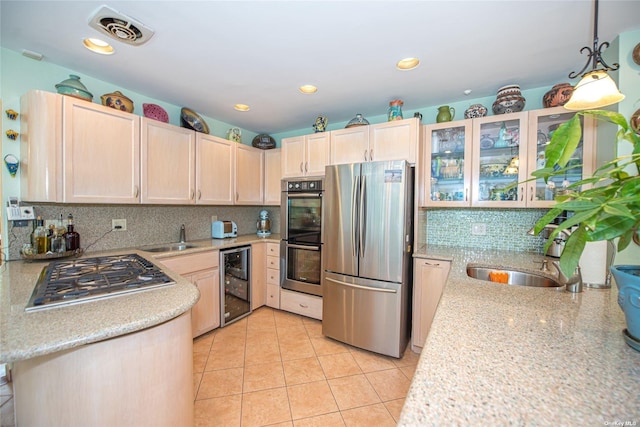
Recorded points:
(445, 114)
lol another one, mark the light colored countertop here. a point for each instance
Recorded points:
(26, 335)
(516, 355)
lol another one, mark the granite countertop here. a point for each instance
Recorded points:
(516, 355)
(26, 335)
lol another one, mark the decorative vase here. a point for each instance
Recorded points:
(508, 100)
(475, 110)
(74, 87)
(395, 110)
(320, 124)
(627, 279)
(558, 95)
(445, 114)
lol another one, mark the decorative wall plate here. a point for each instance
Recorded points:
(636, 54)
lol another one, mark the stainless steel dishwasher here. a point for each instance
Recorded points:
(235, 285)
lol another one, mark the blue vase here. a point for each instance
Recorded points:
(628, 281)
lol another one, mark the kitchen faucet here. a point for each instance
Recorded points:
(183, 238)
(574, 283)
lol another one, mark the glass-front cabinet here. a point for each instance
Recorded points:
(542, 125)
(447, 166)
(475, 162)
(499, 145)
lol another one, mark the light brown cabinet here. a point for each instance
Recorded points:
(430, 277)
(201, 269)
(272, 176)
(167, 171)
(70, 147)
(396, 140)
(249, 180)
(305, 155)
(258, 275)
(215, 170)
(273, 275)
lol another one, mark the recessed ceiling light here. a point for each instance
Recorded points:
(408, 64)
(241, 107)
(98, 46)
(308, 89)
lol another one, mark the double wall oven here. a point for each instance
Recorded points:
(301, 246)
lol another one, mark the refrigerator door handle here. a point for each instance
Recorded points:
(366, 288)
(354, 216)
(363, 216)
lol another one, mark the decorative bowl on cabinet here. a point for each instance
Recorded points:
(155, 112)
(118, 101)
(509, 100)
(558, 95)
(74, 87)
(191, 120)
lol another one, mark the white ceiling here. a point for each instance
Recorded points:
(210, 55)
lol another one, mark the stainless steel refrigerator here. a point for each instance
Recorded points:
(368, 238)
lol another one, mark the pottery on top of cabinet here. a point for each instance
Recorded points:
(74, 87)
(320, 124)
(155, 112)
(395, 110)
(117, 101)
(509, 100)
(558, 95)
(358, 120)
(445, 114)
(474, 111)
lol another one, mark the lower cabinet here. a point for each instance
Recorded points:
(273, 275)
(201, 269)
(429, 278)
(304, 304)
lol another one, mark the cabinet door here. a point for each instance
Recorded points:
(205, 314)
(445, 167)
(350, 145)
(215, 170)
(258, 275)
(272, 177)
(542, 124)
(397, 140)
(101, 149)
(293, 157)
(499, 159)
(41, 146)
(249, 175)
(430, 277)
(168, 163)
(317, 153)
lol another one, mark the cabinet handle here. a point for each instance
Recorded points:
(521, 193)
(433, 265)
(135, 191)
(237, 196)
(192, 194)
(365, 155)
(306, 164)
(531, 198)
(199, 194)
(301, 170)
(371, 154)
(466, 194)
(304, 305)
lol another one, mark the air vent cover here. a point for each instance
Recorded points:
(120, 26)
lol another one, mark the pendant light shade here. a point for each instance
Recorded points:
(596, 89)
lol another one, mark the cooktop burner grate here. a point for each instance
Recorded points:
(86, 279)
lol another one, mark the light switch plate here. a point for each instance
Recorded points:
(479, 229)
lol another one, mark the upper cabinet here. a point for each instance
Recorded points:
(74, 151)
(215, 170)
(249, 175)
(395, 140)
(305, 155)
(476, 162)
(272, 176)
(168, 163)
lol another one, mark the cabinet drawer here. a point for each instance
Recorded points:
(273, 276)
(296, 302)
(273, 296)
(273, 249)
(184, 264)
(273, 262)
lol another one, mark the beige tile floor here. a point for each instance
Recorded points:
(275, 368)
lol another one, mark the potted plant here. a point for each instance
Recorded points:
(606, 206)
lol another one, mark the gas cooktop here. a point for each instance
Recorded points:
(87, 279)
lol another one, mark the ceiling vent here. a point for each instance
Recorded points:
(120, 26)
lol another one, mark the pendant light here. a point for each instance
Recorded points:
(596, 89)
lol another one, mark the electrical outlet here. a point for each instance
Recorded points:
(119, 224)
(479, 229)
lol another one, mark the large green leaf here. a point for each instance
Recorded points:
(572, 251)
(564, 142)
(611, 227)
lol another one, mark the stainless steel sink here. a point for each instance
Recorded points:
(173, 247)
(519, 278)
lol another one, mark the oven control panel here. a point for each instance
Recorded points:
(304, 185)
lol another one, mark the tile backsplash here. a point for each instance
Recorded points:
(146, 225)
(506, 229)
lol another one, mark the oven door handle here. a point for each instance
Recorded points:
(303, 195)
(311, 248)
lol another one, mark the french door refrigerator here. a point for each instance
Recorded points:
(368, 239)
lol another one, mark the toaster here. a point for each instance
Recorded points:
(223, 229)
